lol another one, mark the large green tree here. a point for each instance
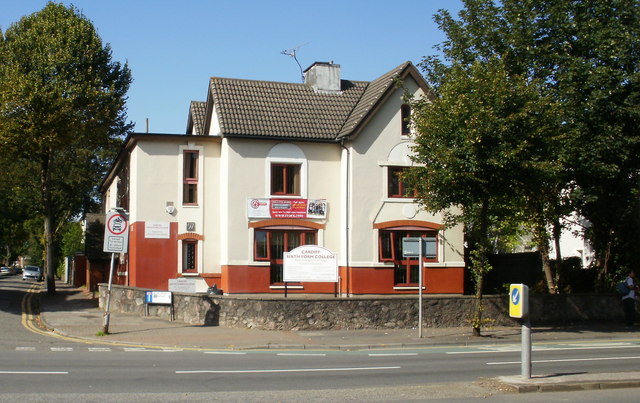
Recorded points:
(592, 55)
(62, 110)
(481, 129)
(574, 66)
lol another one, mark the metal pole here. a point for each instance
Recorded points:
(526, 349)
(107, 313)
(420, 291)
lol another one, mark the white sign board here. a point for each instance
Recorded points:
(158, 297)
(154, 229)
(116, 233)
(310, 263)
(186, 285)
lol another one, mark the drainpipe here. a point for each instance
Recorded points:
(347, 217)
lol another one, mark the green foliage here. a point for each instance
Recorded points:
(62, 113)
(72, 239)
(535, 115)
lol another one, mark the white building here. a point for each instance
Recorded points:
(267, 166)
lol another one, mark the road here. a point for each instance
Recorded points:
(36, 366)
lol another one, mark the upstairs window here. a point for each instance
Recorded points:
(405, 112)
(190, 178)
(285, 179)
(396, 186)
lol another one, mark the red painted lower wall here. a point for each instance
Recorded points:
(152, 262)
(255, 279)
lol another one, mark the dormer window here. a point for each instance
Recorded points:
(405, 112)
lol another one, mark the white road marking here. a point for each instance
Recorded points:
(517, 349)
(390, 354)
(61, 349)
(566, 360)
(266, 371)
(25, 349)
(302, 354)
(225, 352)
(99, 349)
(35, 372)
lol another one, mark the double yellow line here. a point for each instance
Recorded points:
(30, 315)
(31, 321)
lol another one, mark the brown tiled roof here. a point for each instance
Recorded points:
(295, 111)
(197, 113)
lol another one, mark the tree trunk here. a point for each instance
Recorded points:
(557, 232)
(477, 320)
(480, 263)
(49, 225)
(546, 267)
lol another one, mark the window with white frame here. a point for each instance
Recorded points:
(190, 177)
(286, 171)
(189, 256)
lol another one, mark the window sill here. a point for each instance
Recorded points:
(407, 287)
(289, 287)
(189, 274)
(400, 200)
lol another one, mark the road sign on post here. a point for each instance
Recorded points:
(116, 232)
(419, 247)
(116, 240)
(519, 308)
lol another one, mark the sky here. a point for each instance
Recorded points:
(173, 47)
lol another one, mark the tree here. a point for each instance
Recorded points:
(575, 64)
(593, 67)
(471, 144)
(62, 110)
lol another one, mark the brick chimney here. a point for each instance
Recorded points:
(323, 77)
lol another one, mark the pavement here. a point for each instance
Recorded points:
(73, 313)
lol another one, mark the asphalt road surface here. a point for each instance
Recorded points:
(38, 367)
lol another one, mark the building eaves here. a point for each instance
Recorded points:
(129, 143)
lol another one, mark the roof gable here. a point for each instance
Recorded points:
(197, 111)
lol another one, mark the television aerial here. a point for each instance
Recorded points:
(292, 52)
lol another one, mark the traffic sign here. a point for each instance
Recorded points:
(518, 301)
(411, 247)
(116, 233)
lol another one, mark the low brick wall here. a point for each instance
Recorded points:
(359, 312)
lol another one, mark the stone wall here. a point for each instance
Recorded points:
(359, 312)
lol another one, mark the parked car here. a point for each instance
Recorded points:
(7, 271)
(32, 273)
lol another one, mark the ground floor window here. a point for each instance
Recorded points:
(406, 271)
(270, 245)
(189, 256)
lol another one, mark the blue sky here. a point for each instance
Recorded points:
(173, 47)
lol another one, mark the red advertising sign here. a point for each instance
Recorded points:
(287, 208)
